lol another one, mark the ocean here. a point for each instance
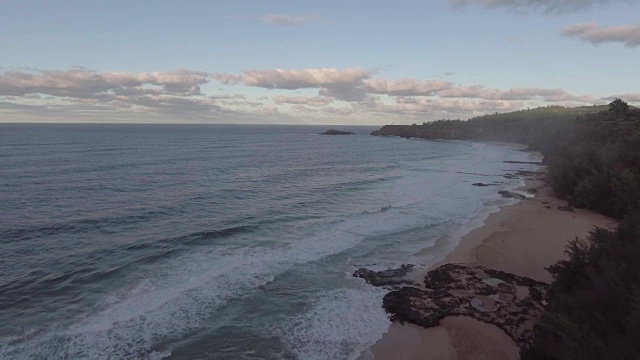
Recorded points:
(222, 241)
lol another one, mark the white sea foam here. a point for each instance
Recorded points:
(175, 298)
(340, 325)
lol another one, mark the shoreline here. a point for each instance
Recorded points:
(522, 238)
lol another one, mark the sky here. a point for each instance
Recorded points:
(311, 62)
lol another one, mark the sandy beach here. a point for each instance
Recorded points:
(522, 239)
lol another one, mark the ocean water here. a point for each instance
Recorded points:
(221, 242)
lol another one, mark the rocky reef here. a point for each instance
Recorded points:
(391, 278)
(511, 302)
(336, 132)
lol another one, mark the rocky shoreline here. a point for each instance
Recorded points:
(511, 302)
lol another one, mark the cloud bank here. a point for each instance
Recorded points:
(321, 93)
(629, 35)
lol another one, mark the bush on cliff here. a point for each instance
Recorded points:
(594, 303)
(599, 168)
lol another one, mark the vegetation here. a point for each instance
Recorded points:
(593, 157)
(594, 305)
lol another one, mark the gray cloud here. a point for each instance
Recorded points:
(227, 79)
(545, 6)
(289, 20)
(345, 92)
(634, 98)
(629, 35)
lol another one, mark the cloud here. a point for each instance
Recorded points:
(289, 20)
(227, 79)
(305, 78)
(173, 92)
(346, 84)
(515, 93)
(634, 98)
(342, 111)
(227, 96)
(81, 83)
(340, 92)
(406, 86)
(345, 92)
(629, 35)
(545, 6)
(303, 100)
(454, 105)
(420, 109)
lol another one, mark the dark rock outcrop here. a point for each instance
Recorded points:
(483, 184)
(391, 277)
(511, 302)
(336, 132)
(511, 195)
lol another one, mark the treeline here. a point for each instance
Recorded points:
(594, 300)
(593, 158)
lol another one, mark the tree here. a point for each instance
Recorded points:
(618, 107)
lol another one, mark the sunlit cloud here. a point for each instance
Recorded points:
(628, 35)
(303, 78)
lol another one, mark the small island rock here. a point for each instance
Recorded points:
(337, 132)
